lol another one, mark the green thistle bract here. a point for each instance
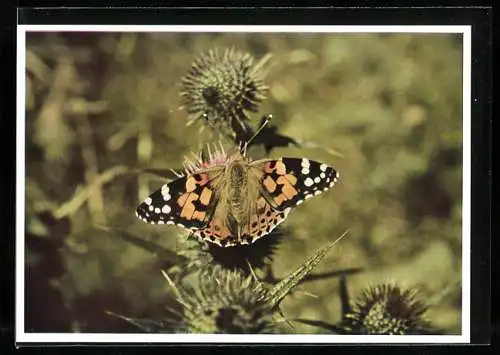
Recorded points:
(387, 309)
(223, 88)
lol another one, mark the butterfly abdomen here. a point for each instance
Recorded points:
(238, 179)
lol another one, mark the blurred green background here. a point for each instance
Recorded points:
(99, 105)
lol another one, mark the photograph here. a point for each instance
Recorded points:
(243, 184)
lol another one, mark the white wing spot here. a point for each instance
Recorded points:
(317, 179)
(151, 208)
(305, 171)
(148, 201)
(305, 163)
(299, 202)
(165, 192)
(157, 210)
(161, 222)
(323, 167)
(332, 183)
(170, 222)
(308, 182)
(317, 192)
(166, 209)
(322, 175)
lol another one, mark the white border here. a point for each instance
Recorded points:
(23, 337)
(247, 29)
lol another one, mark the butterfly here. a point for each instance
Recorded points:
(230, 200)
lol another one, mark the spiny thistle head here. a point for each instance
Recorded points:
(223, 87)
(387, 309)
(226, 302)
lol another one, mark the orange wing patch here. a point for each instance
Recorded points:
(269, 184)
(205, 196)
(278, 183)
(277, 166)
(187, 200)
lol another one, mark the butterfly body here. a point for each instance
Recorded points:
(236, 188)
(233, 200)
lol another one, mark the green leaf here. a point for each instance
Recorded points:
(280, 290)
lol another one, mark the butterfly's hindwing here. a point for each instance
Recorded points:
(287, 182)
(187, 201)
(263, 222)
(216, 232)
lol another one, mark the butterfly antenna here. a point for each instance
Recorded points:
(268, 118)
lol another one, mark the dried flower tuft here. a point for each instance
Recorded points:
(223, 87)
(209, 157)
(387, 309)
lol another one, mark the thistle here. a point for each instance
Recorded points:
(387, 309)
(225, 302)
(223, 88)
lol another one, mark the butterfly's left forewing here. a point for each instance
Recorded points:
(187, 202)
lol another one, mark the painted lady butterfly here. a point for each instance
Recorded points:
(230, 200)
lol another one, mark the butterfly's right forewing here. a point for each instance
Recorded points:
(287, 182)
